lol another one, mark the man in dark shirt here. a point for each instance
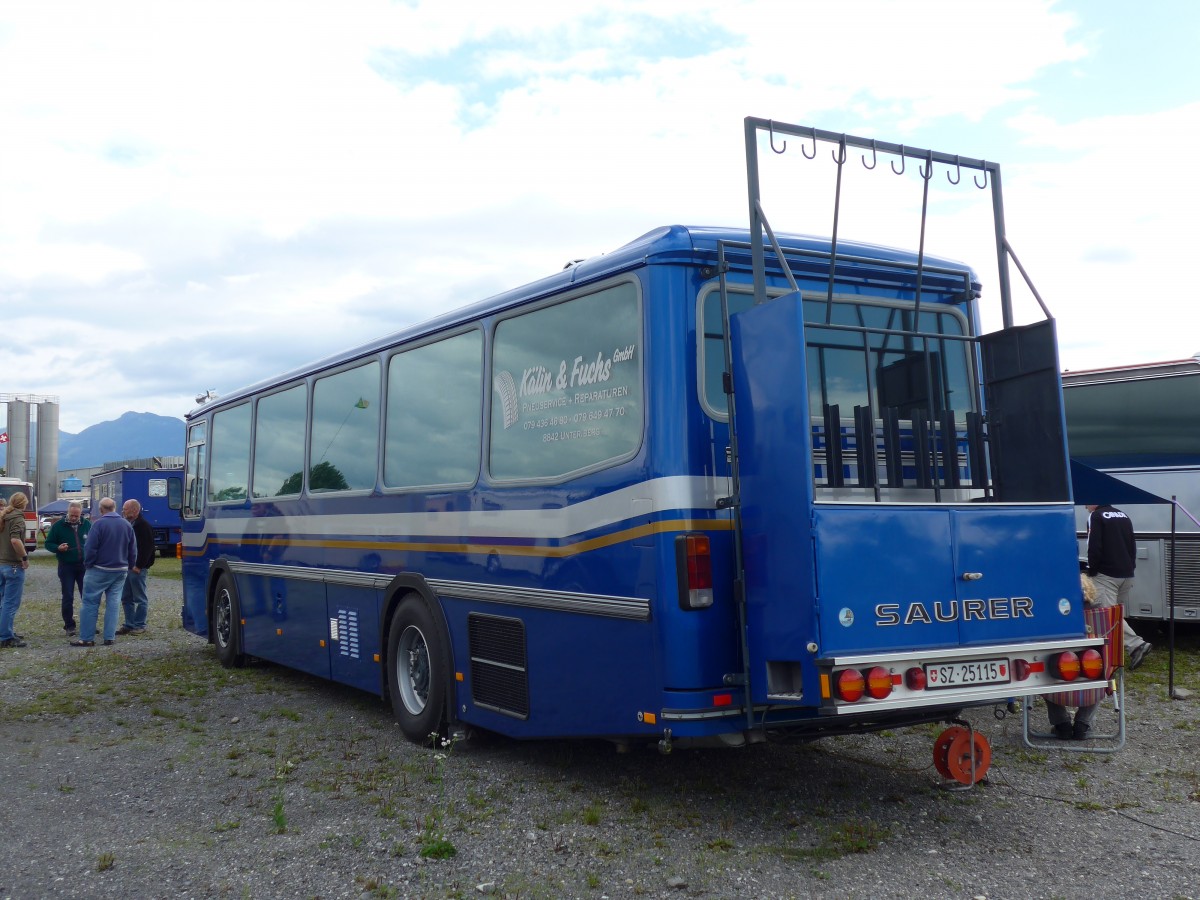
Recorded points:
(133, 596)
(1112, 555)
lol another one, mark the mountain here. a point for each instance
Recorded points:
(132, 436)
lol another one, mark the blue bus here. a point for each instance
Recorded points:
(714, 486)
(159, 491)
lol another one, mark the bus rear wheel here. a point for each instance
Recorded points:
(417, 661)
(225, 615)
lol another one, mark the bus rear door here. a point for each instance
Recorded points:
(853, 576)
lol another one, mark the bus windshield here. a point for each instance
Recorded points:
(7, 489)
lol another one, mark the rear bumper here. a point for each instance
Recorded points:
(1034, 659)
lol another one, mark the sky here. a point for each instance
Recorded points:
(198, 196)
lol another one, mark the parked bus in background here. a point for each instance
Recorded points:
(541, 515)
(10, 486)
(159, 491)
(1141, 424)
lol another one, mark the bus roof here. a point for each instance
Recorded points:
(1134, 370)
(683, 244)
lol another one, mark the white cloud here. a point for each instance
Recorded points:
(201, 195)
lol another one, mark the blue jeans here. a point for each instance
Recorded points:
(95, 583)
(70, 576)
(134, 600)
(12, 585)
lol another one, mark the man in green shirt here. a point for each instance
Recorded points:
(65, 539)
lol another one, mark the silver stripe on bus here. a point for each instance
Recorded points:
(677, 492)
(634, 608)
(369, 580)
(727, 712)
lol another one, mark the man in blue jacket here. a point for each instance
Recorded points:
(108, 555)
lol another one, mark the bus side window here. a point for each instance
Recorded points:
(344, 441)
(230, 475)
(193, 504)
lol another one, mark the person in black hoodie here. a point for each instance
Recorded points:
(1111, 559)
(133, 597)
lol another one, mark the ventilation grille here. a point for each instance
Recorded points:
(347, 633)
(499, 679)
(1187, 574)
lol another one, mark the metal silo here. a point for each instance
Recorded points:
(47, 452)
(16, 462)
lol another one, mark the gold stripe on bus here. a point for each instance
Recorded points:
(499, 549)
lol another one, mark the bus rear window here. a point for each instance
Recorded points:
(839, 369)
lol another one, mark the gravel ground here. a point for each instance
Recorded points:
(146, 770)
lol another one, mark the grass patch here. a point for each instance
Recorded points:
(66, 683)
(839, 841)
(436, 847)
(278, 819)
(376, 887)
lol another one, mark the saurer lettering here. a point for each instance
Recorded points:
(953, 611)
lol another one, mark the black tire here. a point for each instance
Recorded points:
(225, 623)
(417, 662)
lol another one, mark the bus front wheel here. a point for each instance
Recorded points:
(417, 661)
(225, 615)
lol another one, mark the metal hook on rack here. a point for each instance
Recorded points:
(927, 173)
(957, 173)
(985, 177)
(812, 155)
(899, 171)
(771, 125)
(874, 158)
(840, 156)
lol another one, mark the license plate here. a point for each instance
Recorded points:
(967, 674)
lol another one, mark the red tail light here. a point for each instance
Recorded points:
(1021, 669)
(850, 685)
(914, 679)
(1092, 663)
(879, 682)
(1066, 665)
(693, 561)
